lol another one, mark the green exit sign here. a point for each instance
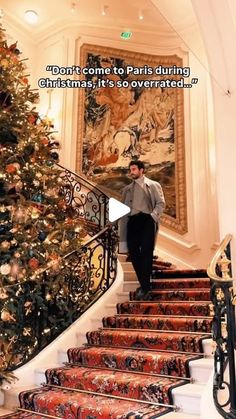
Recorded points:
(126, 35)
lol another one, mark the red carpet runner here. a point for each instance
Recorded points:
(128, 368)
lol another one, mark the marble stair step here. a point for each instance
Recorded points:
(181, 415)
(40, 377)
(62, 356)
(110, 309)
(201, 369)
(12, 396)
(130, 285)
(127, 266)
(207, 348)
(165, 296)
(177, 274)
(4, 411)
(206, 343)
(122, 257)
(128, 384)
(84, 404)
(151, 339)
(183, 308)
(133, 284)
(133, 359)
(193, 294)
(188, 398)
(180, 283)
(96, 322)
(122, 296)
(130, 275)
(158, 322)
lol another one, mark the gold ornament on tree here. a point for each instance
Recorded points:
(6, 316)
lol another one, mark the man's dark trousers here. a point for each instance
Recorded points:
(141, 239)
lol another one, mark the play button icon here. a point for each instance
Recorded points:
(117, 210)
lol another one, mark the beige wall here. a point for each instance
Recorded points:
(218, 28)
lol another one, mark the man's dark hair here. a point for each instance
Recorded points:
(137, 163)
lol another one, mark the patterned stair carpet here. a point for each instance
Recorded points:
(161, 322)
(161, 272)
(128, 368)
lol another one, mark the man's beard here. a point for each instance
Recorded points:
(134, 176)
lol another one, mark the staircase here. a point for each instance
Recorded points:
(151, 358)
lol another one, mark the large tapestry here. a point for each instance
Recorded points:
(125, 115)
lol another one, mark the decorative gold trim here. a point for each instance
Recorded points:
(153, 374)
(86, 345)
(172, 302)
(179, 222)
(162, 315)
(112, 396)
(212, 309)
(218, 256)
(184, 332)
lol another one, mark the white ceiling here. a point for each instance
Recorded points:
(122, 14)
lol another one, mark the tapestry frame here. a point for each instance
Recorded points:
(171, 173)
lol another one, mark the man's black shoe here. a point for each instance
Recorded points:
(142, 295)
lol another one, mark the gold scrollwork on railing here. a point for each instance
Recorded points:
(219, 294)
(223, 297)
(224, 263)
(233, 295)
(212, 309)
(220, 259)
(224, 330)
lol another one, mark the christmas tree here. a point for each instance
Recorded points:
(36, 226)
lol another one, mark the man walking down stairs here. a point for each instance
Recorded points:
(140, 364)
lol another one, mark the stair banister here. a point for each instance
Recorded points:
(223, 310)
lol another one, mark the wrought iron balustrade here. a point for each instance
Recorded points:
(34, 312)
(223, 297)
(87, 199)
